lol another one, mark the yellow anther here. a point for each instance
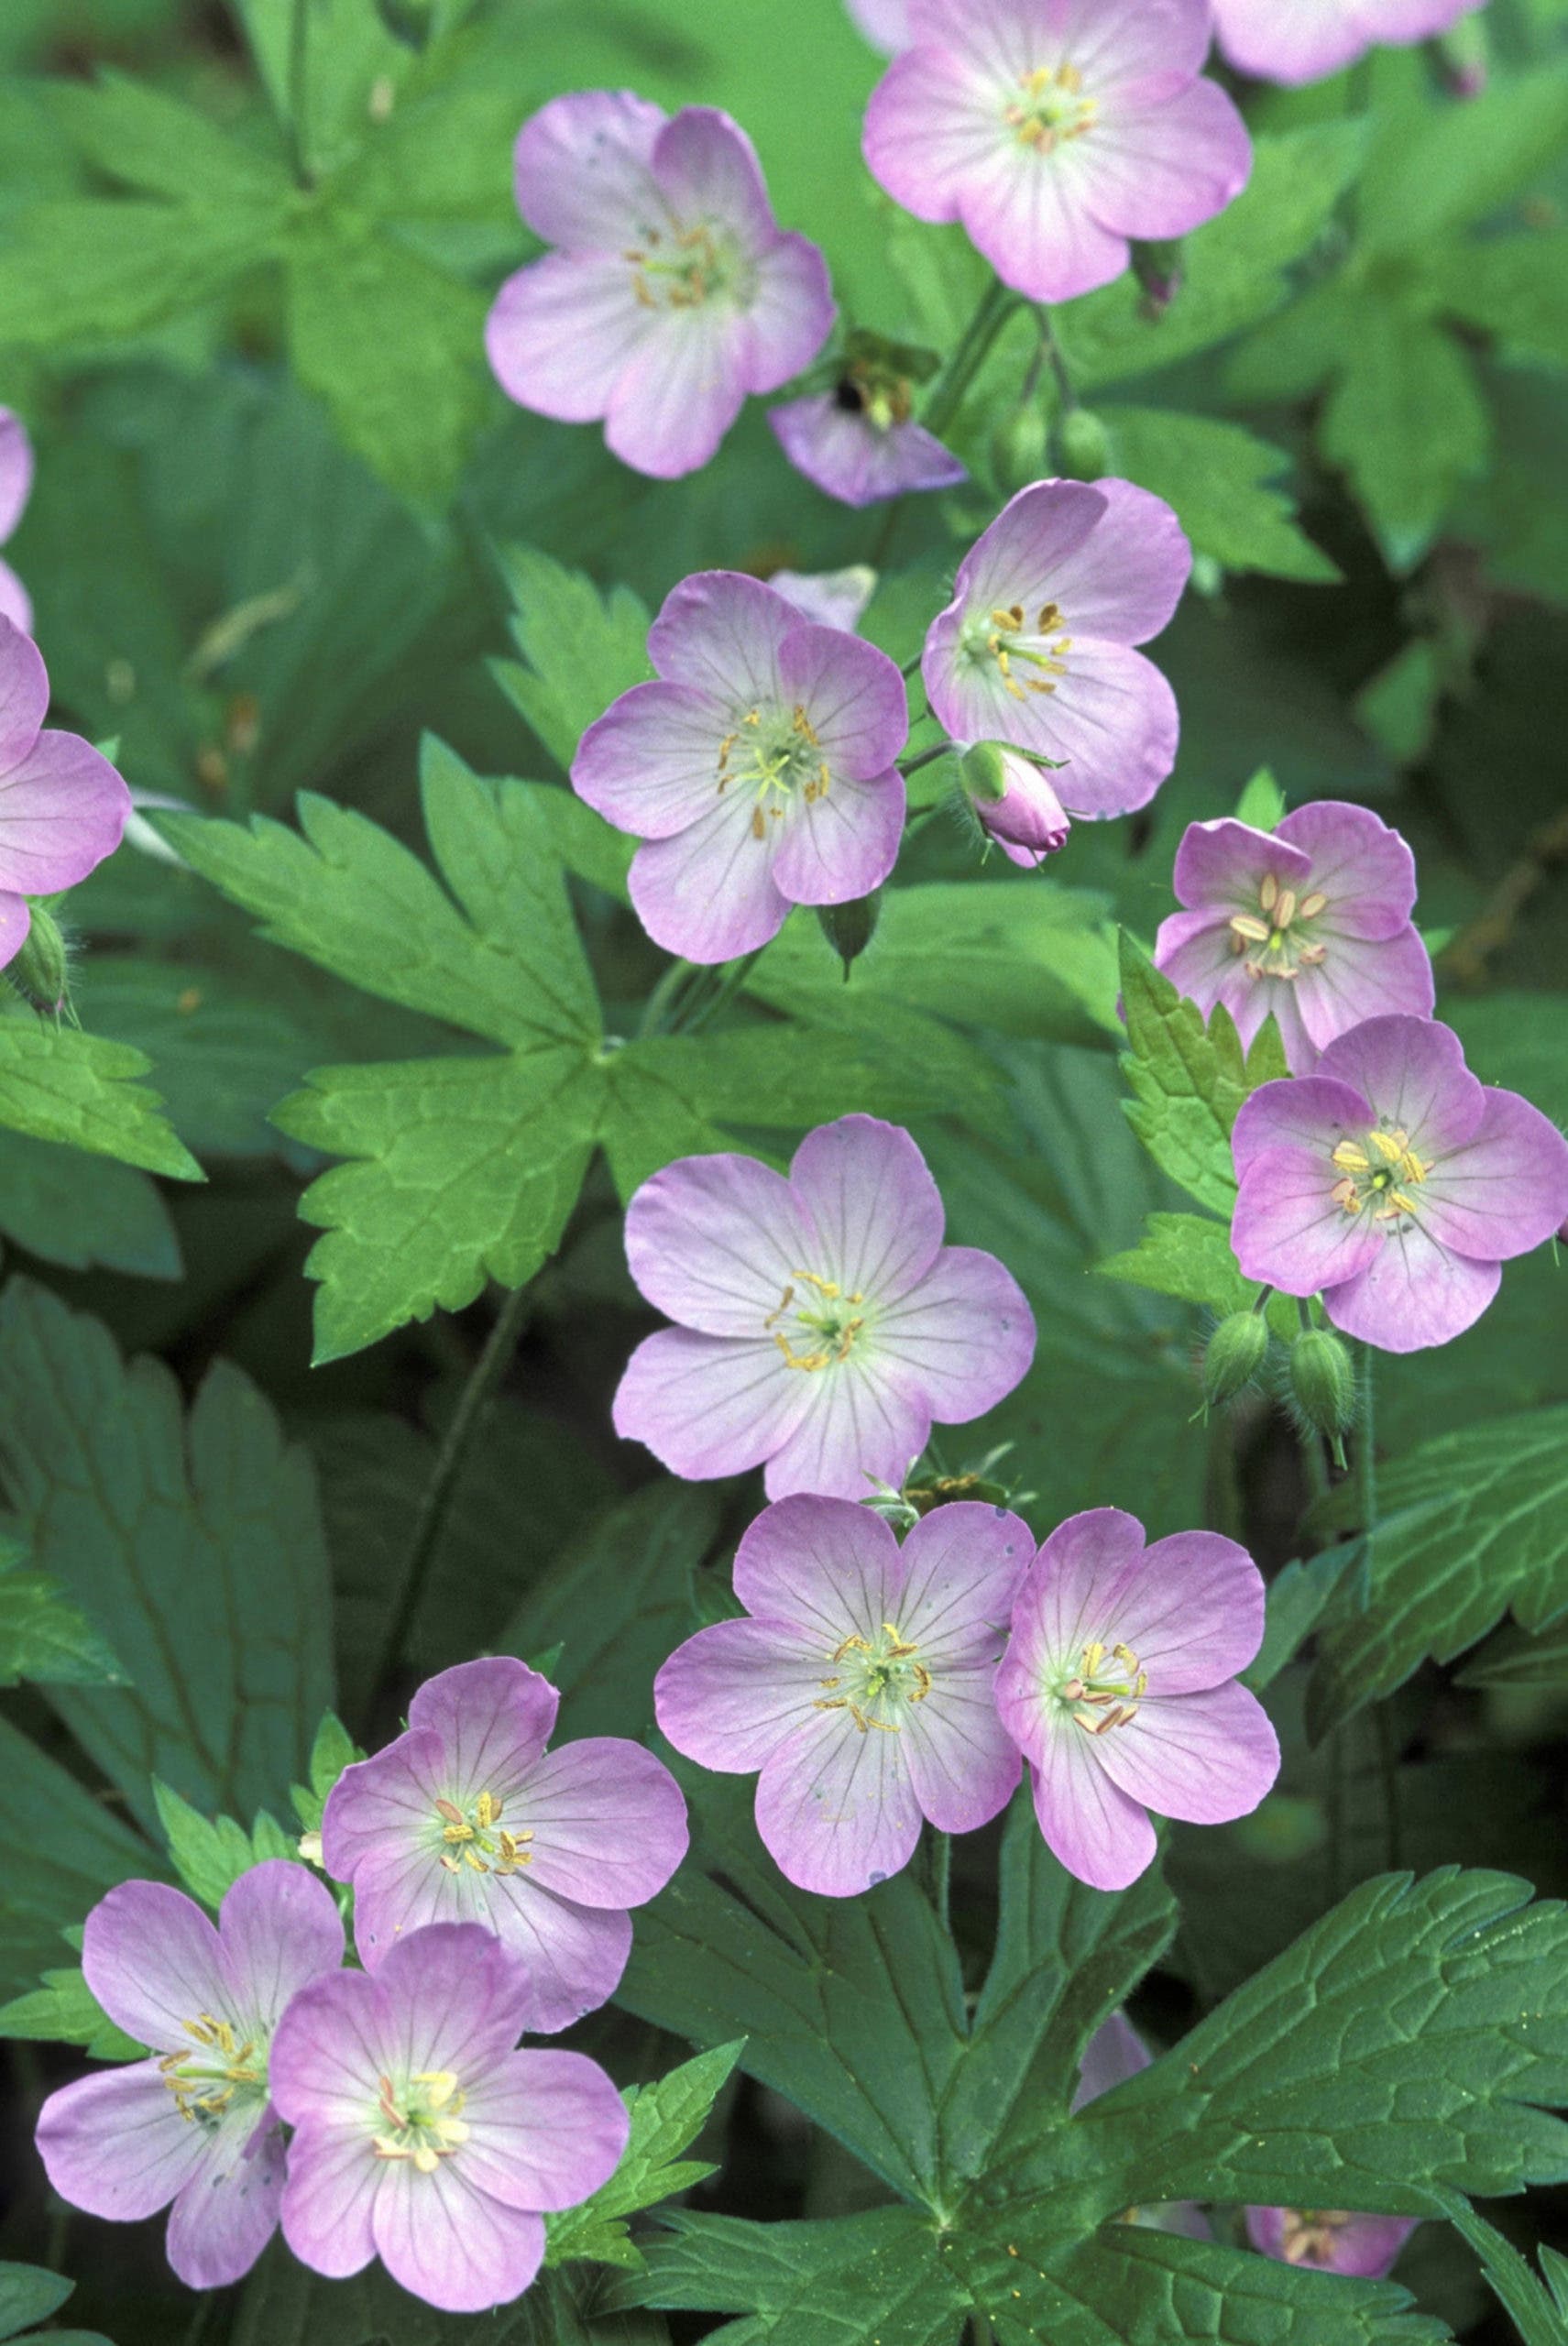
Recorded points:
(1243, 925)
(1310, 906)
(1389, 1147)
(800, 723)
(1269, 894)
(884, 1726)
(922, 1683)
(1351, 1159)
(858, 1715)
(1285, 910)
(1092, 1657)
(852, 1644)
(841, 1704)
(453, 1815)
(469, 1858)
(451, 1864)
(486, 1808)
(759, 829)
(825, 1287)
(384, 2147)
(443, 2084)
(1343, 1194)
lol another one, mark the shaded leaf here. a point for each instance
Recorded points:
(60, 1084)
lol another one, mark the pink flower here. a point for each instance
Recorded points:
(886, 23)
(466, 1817)
(1394, 1183)
(827, 598)
(822, 1323)
(858, 1683)
(1307, 38)
(859, 441)
(195, 2124)
(759, 771)
(1057, 131)
(1328, 2240)
(1120, 1688)
(673, 292)
(1035, 648)
(15, 488)
(1311, 922)
(421, 2136)
(63, 807)
(1027, 821)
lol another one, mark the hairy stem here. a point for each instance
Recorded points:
(483, 1378)
(1055, 359)
(995, 307)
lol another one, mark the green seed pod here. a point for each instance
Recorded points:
(41, 972)
(1322, 1378)
(1235, 1354)
(1083, 446)
(850, 928)
(1018, 447)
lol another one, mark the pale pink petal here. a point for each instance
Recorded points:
(1113, 725)
(861, 1428)
(1113, 2053)
(886, 23)
(964, 1563)
(333, 2176)
(1123, 582)
(451, 2244)
(853, 695)
(734, 1691)
(1413, 1072)
(1505, 1190)
(1365, 870)
(1225, 863)
(1204, 1758)
(280, 1927)
(1291, 1233)
(16, 920)
(547, 2128)
(960, 1339)
(1110, 45)
(710, 1405)
(716, 1241)
(843, 453)
(582, 170)
(452, 1995)
(1024, 552)
(1030, 215)
(709, 893)
(608, 1821)
(1312, 1113)
(963, 1765)
(115, 2143)
(24, 697)
(706, 169)
(928, 127)
(1357, 979)
(1191, 1607)
(1066, 1602)
(574, 1956)
(62, 809)
(224, 2216)
(678, 394)
(562, 332)
(16, 603)
(836, 1808)
(999, 38)
(493, 1718)
(721, 633)
(16, 472)
(1413, 1294)
(1158, 164)
(839, 847)
(331, 2045)
(1098, 1834)
(154, 1961)
(866, 1195)
(827, 1569)
(1301, 43)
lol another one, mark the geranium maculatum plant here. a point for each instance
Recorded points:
(784, 1386)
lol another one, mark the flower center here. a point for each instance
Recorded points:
(1105, 1689)
(883, 399)
(826, 1322)
(874, 1678)
(476, 1839)
(1052, 108)
(207, 2080)
(1309, 2234)
(1378, 1178)
(680, 269)
(1006, 637)
(1278, 944)
(421, 2122)
(773, 754)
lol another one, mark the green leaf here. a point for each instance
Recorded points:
(225, 1053)
(1216, 477)
(194, 1541)
(1517, 1657)
(666, 2117)
(1297, 1599)
(151, 141)
(79, 1210)
(43, 1636)
(1470, 1526)
(1464, 162)
(582, 649)
(1262, 803)
(209, 1854)
(462, 1171)
(1187, 1255)
(1232, 269)
(91, 272)
(352, 54)
(1400, 706)
(879, 2277)
(333, 1751)
(1189, 1081)
(64, 2011)
(1537, 2313)
(59, 1084)
(1406, 2041)
(28, 2294)
(1515, 288)
(51, 1879)
(1407, 422)
(1021, 955)
(393, 345)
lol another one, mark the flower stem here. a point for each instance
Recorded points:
(662, 1000)
(923, 758)
(1366, 1509)
(298, 92)
(695, 1015)
(996, 305)
(483, 1378)
(1055, 358)
(941, 1875)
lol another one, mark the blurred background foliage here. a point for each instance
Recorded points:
(240, 311)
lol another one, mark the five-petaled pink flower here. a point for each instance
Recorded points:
(195, 2124)
(1311, 922)
(858, 1684)
(15, 488)
(759, 769)
(1302, 40)
(421, 2136)
(1036, 647)
(822, 1323)
(1330, 2239)
(466, 1817)
(673, 291)
(1119, 1686)
(1395, 1182)
(1057, 131)
(859, 442)
(62, 807)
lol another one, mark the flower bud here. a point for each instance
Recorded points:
(1322, 1378)
(1235, 1354)
(1083, 447)
(850, 928)
(40, 972)
(1018, 447)
(1157, 268)
(1014, 803)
